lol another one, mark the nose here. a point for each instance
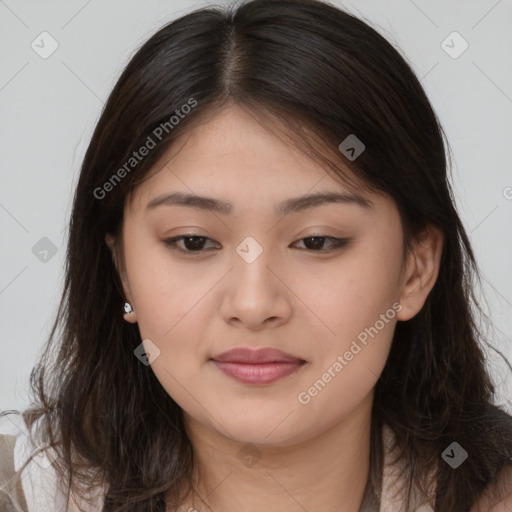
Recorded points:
(255, 295)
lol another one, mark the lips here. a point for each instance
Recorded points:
(262, 366)
(262, 355)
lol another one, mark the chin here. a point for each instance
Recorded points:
(255, 430)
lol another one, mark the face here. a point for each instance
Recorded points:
(321, 283)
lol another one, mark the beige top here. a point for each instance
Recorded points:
(38, 489)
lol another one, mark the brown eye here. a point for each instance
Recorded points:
(317, 243)
(191, 243)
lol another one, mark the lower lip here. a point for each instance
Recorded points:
(258, 373)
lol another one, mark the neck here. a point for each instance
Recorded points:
(327, 472)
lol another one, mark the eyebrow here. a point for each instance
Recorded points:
(294, 204)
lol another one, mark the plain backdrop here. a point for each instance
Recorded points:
(49, 106)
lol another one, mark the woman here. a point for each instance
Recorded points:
(268, 297)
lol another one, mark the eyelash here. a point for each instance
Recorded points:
(337, 243)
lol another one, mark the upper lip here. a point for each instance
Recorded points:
(262, 355)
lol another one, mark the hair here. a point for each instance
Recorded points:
(314, 74)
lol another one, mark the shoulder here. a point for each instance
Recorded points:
(497, 497)
(12, 496)
(496, 428)
(28, 477)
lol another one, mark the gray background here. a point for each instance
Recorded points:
(48, 108)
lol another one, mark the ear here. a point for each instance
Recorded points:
(111, 243)
(422, 269)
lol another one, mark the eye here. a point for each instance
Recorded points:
(196, 244)
(316, 243)
(191, 243)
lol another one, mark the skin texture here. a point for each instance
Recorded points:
(310, 304)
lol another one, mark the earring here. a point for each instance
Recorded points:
(128, 308)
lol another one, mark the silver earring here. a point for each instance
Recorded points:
(127, 308)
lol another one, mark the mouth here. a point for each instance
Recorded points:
(257, 367)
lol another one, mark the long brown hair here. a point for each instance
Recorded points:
(327, 74)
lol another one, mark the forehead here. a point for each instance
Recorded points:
(232, 156)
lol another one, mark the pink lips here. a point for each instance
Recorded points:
(261, 366)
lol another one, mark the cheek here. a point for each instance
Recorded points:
(356, 300)
(348, 369)
(167, 294)
(350, 294)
